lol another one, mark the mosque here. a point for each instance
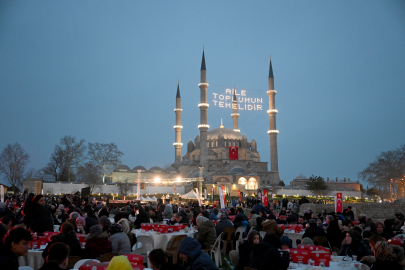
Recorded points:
(224, 156)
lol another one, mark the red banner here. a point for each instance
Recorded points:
(339, 203)
(240, 198)
(223, 193)
(233, 152)
(265, 200)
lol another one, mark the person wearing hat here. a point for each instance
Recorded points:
(190, 251)
(119, 240)
(285, 242)
(214, 213)
(180, 218)
(97, 243)
(223, 223)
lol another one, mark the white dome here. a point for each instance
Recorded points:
(301, 177)
(226, 132)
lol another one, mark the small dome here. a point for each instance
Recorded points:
(139, 167)
(301, 177)
(244, 137)
(197, 138)
(226, 133)
(190, 142)
(170, 169)
(238, 170)
(122, 168)
(253, 141)
(155, 168)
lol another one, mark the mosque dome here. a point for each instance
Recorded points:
(122, 168)
(301, 177)
(227, 133)
(139, 167)
(155, 168)
(238, 170)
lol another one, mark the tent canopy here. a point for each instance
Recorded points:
(153, 198)
(190, 195)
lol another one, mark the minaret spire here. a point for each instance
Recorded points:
(178, 127)
(235, 114)
(203, 126)
(273, 132)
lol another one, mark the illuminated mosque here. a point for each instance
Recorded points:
(224, 155)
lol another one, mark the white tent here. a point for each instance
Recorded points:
(153, 198)
(141, 198)
(148, 199)
(190, 195)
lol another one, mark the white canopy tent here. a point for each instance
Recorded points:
(190, 195)
(153, 198)
(148, 199)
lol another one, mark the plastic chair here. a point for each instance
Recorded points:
(239, 234)
(215, 250)
(25, 268)
(72, 261)
(147, 245)
(172, 249)
(262, 234)
(107, 257)
(111, 215)
(229, 234)
(83, 261)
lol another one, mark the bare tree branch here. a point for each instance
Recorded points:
(106, 155)
(13, 160)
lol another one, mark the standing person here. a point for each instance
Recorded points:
(168, 212)
(16, 243)
(259, 207)
(37, 216)
(57, 258)
(190, 251)
(334, 234)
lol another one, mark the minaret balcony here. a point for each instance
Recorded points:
(177, 144)
(178, 127)
(274, 131)
(272, 111)
(271, 92)
(178, 110)
(203, 84)
(235, 114)
(203, 105)
(237, 130)
(203, 126)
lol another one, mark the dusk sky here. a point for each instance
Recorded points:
(107, 71)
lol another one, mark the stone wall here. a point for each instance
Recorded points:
(377, 211)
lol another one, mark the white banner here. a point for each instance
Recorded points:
(198, 196)
(221, 197)
(205, 194)
(2, 193)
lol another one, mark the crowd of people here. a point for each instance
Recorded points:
(23, 218)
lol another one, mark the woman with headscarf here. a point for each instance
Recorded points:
(142, 217)
(354, 246)
(387, 258)
(97, 243)
(119, 263)
(104, 223)
(81, 225)
(246, 248)
(36, 215)
(67, 236)
(126, 227)
(206, 231)
(379, 229)
(119, 240)
(270, 226)
(268, 254)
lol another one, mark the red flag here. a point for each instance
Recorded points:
(240, 198)
(233, 152)
(223, 194)
(265, 200)
(339, 203)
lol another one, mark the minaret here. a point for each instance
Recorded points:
(273, 130)
(235, 114)
(203, 126)
(178, 127)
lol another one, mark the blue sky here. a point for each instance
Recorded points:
(107, 71)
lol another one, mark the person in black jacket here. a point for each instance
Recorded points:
(16, 244)
(154, 215)
(57, 258)
(37, 216)
(269, 253)
(246, 248)
(142, 217)
(158, 260)
(354, 246)
(313, 230)
(67, 236)
(90, 220)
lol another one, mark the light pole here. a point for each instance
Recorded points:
(200, 179)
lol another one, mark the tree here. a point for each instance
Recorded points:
(13, 160)
(317, 185)
(106, 155)
(372, 192)
(55, 165)
(124, 187)
(89, 174)
(385, 170)
(281, 183)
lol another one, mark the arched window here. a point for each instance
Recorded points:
(242, 181)
(252, 183)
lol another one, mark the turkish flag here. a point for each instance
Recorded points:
(265, 199)
(339, 203)
(240, 198)
(233, 152)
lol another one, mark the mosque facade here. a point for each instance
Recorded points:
(222, 156)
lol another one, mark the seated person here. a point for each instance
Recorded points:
(158, 261)
(16, 243)
(223, 223)
(354, 245)
(206, 232)
(97, 243)
(282, 219)
(58, 256)
(180, 218)
(214, 214)
(67, 236)
(155, 216)
(190, 252)
(246, 248)
(313, 230)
